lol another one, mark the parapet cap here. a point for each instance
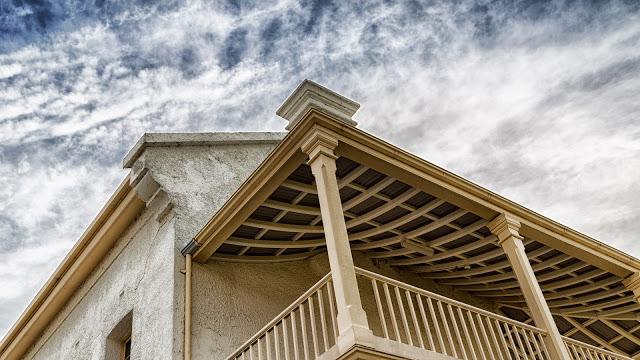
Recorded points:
(198, 139)
(309, 95)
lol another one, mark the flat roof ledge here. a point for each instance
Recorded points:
(198, 139)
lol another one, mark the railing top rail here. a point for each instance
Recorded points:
(595, 348)
(283, 314)
(447, 300)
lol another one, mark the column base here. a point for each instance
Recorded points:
(355, 336)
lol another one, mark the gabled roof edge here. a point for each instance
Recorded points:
(117, 214)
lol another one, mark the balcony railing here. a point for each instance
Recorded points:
(402, 313)
(582, 351)
(432, 322)
(303, 330)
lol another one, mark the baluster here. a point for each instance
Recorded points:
(276, 340)
(376, 295)
(494, 338)
(544, 345)
(414, 318)
(535, 344)
(528, 343)
(436, 325)
(259, 349)
(588, 352)
(476, 337)
(392, 313)
(303, 328)
(457, 331)
(485, 338)
(576, 351)
(570, 349)
(425, 322)
(465, 330)
(266, 339)
(520, 348)
(294, 333)
(446, 329)
(598, 355)
(403, 317)
(332, 310)
(314, 334)
(285, 338)
(503, 341)
(582, 352)
(513, 345)
(323, 321)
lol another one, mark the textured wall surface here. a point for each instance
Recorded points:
(199, 179)
(134, 277)
(142, 272)
(232, 301)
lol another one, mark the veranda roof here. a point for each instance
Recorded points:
(411, 214)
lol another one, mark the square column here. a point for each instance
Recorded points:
(506, 228)
(352, 320)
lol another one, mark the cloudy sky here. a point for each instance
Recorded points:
(538, 101)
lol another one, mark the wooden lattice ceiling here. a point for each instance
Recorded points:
(412, 230)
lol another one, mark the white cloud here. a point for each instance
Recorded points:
(540, 106)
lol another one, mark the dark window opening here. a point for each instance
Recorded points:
(127, 349)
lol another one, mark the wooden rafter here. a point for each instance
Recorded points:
(574, 289)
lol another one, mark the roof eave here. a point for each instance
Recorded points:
(117, 214)
(361, 145)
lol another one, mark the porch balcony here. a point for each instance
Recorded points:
(407, 322)
(329, 187)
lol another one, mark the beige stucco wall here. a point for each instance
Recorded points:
(133, 276)
(199, 179)
(142, 273)
(232, 301)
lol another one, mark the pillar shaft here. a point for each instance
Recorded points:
(352, 321)
(506, 229)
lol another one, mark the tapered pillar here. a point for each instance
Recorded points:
(506, 228)
(352, 321)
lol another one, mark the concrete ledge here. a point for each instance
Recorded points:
(198, 139)
(382, 349)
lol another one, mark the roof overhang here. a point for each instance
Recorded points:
(272, 217)
(386, 158)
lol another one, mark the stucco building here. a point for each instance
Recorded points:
(323, 242)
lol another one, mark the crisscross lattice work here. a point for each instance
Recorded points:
(395, 223)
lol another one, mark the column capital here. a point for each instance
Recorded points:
(319, 143)
(632, 282)
(505, 226)
(311, 96)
